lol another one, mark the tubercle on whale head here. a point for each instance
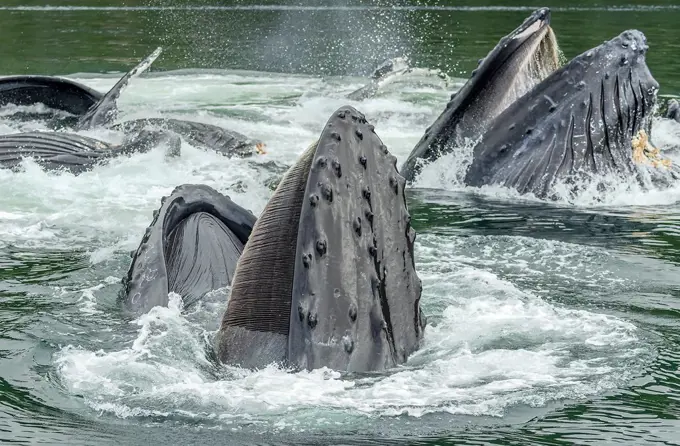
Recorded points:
(620, 60)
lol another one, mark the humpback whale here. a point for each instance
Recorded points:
(389, 71)
(88, 105)
(673, 111)
(92, 109)
(55, 92)
(341, 290)
(206, 136)
(104, 112)
(73, 152)
(590, 117)
(190, 248)
(325, 277)
(519, 61)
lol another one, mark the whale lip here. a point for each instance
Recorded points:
(147, 282)
(536, 22)
(533, 28)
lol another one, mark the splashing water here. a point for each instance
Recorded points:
(490, 346)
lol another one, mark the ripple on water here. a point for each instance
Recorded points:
(489, 348)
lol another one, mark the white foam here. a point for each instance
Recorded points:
(489, 346)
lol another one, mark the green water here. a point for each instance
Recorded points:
(314, 41)
(67, 239)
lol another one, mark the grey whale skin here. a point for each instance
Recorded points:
(90, 106)
(327, 278)
(388, 71)
(191, 248)
(76, 153)
(579, 121)
(518, 62)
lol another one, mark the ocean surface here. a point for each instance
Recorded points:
(551, 323)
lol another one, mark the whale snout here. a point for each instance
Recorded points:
(630, 40)
(536, 22)
(543, 15)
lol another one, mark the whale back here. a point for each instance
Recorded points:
(210, 137)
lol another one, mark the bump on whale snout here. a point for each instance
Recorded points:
(327, 278)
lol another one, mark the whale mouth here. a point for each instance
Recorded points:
(534, 57)
(519, 62)
(191, 248)
(587, 122)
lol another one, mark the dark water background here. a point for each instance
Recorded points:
(350, 38)
(347, 37)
